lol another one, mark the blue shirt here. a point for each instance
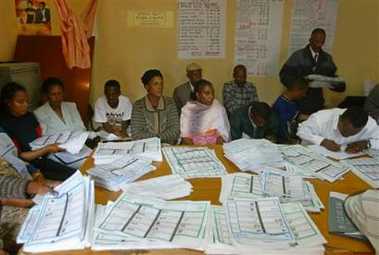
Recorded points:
(287, 112)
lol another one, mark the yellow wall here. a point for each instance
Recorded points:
(124, 53)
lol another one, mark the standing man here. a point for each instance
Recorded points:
(182, 93)
(311, 60)
(238, 92)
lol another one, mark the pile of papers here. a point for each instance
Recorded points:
(365, 168)
(322, 81)
(62, 221)
(193, 162)
(264, 226)
(252, 154)
(310, 164)
(123, 171)
(71, 141)
(287, 188)
(165, 187)
(139, 222)
(150, 148)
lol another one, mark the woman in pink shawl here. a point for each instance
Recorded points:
(204, 120)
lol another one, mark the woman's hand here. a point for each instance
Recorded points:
(53, 148)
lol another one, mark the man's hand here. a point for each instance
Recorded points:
(35, 187)
(53, 148)
(357, 147)
(330, 145)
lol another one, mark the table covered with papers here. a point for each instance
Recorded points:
(205, 221)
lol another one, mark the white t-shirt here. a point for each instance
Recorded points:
(104, 113)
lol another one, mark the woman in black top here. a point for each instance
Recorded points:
(23, 127)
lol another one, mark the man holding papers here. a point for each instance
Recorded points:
(336, 129)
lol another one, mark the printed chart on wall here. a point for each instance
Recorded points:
(201, 29)
(308, 15)
(258, 34)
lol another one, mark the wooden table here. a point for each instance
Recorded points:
(209, 189)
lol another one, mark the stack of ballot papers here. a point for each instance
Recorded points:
(193, 162)
(365, 168)
(150, 148)
(140, 222)
(322, 81)
(287, 188)
(118, 173)
(264, 226)
(71, 141)
(338, 221)
(164, 187)
(304, 161)
(62, 221)
(336, 155)
(252, 154)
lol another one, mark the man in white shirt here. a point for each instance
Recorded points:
(113, 111)
(341, 129)
(363, 211)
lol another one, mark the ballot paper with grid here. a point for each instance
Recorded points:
(71, 141)
(365, 168)
(311, 164)
(172, 223)
(193, 162)
(149, 148)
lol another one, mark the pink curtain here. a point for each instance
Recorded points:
(75, 32)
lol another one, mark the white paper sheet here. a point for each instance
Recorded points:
(308, 15)
(201, 29)
(258, 35)
(193, 162)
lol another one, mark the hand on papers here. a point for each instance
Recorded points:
(330, 145)
(54, 148)
(36, 187)
(357, 147)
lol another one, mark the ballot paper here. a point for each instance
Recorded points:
(72, 160)
(171, 223)
(322, 81)
(365, 168)
(165, 187)
(339, 155)
(8, 151)
(338, 221)
(118, 173)
(63, 221)
(193, 162)
(150, 148)
(252, 154)
(259, 222)
(308, 163)
(70, 141)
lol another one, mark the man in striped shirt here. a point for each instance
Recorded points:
(239, 92)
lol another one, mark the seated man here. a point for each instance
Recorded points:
(341, 129)
(372, 103)
(255, 120)
(56, 115)
(239, 92)
(182, 93)
(288, 111)
(363, 211)
(113, 111)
